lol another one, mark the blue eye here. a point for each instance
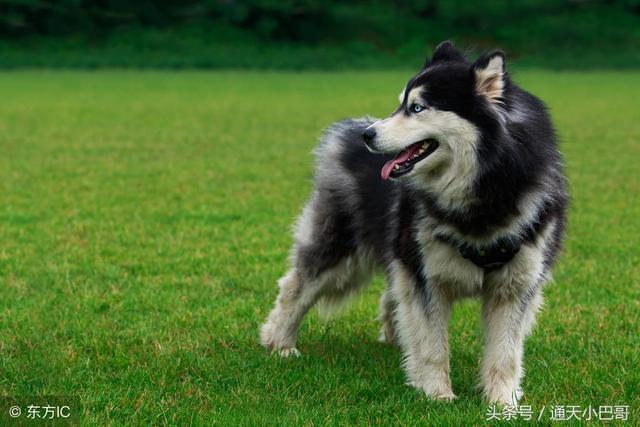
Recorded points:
(416, 108)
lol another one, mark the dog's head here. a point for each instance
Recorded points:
(444, 110)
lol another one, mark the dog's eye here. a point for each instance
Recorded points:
(416, 108)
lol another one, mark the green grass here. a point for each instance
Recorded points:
(145, 218)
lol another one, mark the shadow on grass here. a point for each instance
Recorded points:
(371, 370)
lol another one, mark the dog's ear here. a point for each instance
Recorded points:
(490, 76)
(445, 51)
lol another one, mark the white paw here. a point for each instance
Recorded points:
(288, 352)
(273, 336)
(504, 396)
(436, 391)
(447, 396)
(272, 339)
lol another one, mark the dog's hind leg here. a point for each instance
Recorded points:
(325, 264)
(298, 293)
(280, 331)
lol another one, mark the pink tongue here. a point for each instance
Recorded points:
(400, 158)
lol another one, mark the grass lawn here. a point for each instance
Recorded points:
(145, 218)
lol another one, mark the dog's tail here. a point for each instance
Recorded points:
(337, 300)
(333, 305)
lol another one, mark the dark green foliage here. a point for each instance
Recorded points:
(312, 33)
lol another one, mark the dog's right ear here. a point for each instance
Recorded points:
(490, 76)
(445, 51)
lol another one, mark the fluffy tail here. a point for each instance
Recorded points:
(336, 301)
(333, 305)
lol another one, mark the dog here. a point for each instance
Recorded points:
(460, 192)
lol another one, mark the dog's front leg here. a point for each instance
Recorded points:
(507, 322)
(422, 317)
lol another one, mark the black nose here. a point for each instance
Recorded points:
(368, 134)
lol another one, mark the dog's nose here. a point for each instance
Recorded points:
(369, 134)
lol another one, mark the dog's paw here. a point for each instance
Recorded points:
(273, 337)
(436, 391)
(504, 396)
(448, 396)
(288, 352)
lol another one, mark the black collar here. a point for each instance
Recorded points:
(495, 255)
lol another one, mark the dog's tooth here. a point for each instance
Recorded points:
(396, 167)
(421, 151)
(424, 145)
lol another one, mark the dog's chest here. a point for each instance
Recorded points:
(445, 267)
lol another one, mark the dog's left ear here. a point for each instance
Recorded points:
(445, 51)
(489, 75)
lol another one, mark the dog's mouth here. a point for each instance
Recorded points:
(404, 161)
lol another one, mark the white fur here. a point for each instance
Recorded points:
(422, 336)
(401, 96)
(444, 267)
(506, 324)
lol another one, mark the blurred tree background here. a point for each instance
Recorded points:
(331, 34)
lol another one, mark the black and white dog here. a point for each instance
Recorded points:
(460, 192)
